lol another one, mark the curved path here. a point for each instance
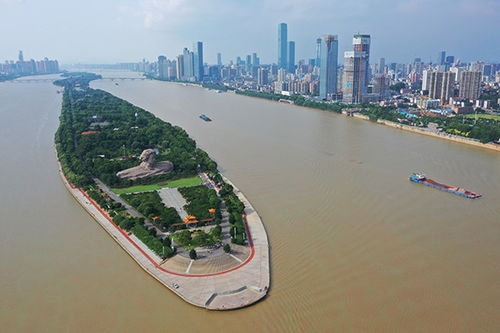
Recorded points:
(234, 288)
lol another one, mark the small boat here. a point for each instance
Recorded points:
(204, 117)
(422, 179)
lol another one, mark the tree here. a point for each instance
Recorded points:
(167, 241)
(397, 86)
(227, 248)
(127, 224)
(193, 254)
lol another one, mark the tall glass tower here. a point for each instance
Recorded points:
(282, 45)
(198, 60)
(328, 69)
(291, 56)
(317, 62)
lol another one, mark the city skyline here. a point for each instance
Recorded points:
(125, 31)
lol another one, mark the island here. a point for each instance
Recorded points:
(161, 198)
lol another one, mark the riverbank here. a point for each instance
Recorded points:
(454, 138)
(235, 288)
(417, 130)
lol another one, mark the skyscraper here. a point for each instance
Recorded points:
(318, 52)
(282, 45)
(291, 56)
(255, 59)
(356, 70)
(198, 61)
(381, 66)
(441, 58)
(219, 59)
(180, 67)
(162, 67)
(328, 69)
(188, 58)
(470, 82)
(21, 57)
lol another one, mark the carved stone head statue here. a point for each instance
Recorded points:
(148, 158)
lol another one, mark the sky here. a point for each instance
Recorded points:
(110, 31)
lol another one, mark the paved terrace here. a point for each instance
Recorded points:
(171, 197)
(234, 288)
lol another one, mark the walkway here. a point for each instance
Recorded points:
(171, 197)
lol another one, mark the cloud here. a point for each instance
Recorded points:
(167, 13)
(11, 2)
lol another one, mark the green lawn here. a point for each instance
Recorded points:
(184, 182)
(485, 116)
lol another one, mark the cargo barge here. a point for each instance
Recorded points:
(422, 179)
(202, 116)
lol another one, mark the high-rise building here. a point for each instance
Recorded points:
(356, 70)
(318, 52)
(441, 58)
(180, 67)
(426, 74)
(458, 72)
(328, 67)
(450, 59)
(291, 56)
(381, 66)
(281, 75)
(162, 67)
(282, 45)
(21, 57)
(262, 76)
(380, 85)
(255, 59)
(219, 59)
(188, 58)
(441, 86)
(470, 83)
(198, 71)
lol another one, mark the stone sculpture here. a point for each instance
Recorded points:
(148, 167)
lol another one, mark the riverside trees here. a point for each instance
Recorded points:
(101, 134)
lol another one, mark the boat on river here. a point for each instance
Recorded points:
(204, 117)
(422, 179)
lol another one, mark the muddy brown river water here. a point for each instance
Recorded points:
(354, 245)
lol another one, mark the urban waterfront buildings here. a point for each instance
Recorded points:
(418, 83)
(28, 67)
(328, 69)
(282, 45)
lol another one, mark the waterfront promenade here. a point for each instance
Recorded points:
(234, 288)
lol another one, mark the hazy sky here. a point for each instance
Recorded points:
(108, 31)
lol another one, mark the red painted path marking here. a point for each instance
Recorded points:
(252, 254)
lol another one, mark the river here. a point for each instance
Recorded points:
(354, 245)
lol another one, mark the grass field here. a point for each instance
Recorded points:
(184, 182)
(485, 116)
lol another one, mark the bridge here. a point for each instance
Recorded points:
(41, 80)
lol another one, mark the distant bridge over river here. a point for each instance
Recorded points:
(42, 80)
